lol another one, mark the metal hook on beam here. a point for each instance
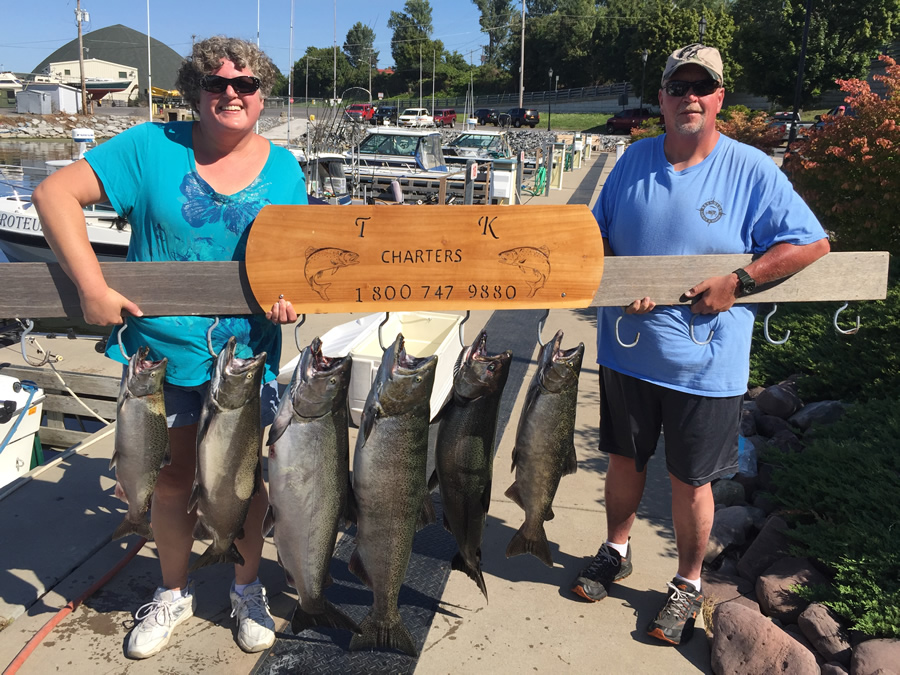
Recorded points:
(694, 339)
(462, 339)
(838, 329)
(540, 327)
(619, 340)
(29, 326)
(387, 315)
(300, 322)
(769, 339)
(209, 338)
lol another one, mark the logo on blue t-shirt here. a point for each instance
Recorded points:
(711, 211)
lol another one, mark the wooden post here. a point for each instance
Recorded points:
(471, 170)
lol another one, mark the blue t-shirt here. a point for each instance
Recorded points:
(151, 179)
(734, 201)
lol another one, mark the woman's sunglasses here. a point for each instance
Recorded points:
(700, 87)
(214, 84)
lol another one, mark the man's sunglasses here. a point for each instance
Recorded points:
(214, 84)
(701, 87)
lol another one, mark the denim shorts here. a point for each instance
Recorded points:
(183, 404)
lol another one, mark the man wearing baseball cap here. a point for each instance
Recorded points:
(685, 368)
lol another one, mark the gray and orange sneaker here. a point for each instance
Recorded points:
(675, 622)
(607, 566)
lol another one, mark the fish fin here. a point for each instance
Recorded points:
(433, 482)
(232, 555)
(309, 251)
(543, 249)
(351, 508)
(571, 462)
(486, 496)
(356, 566)
(240, 534)
(531, 540)
(515, 458)
(283, 416)
(447, 524)
(427, 515)
(331, 617)
(268, 521)
(288, 577)
(120, 493)
(112, 460)
(474, 573)
(512, 492)
(167, 456)
(257, 479)
(388, 633)
(126, 527)
(201, 531)
(195, 496)
(549, 515)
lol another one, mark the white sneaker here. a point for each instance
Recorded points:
(256, 627)
(158, 619)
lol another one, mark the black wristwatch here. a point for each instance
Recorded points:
(746, 283)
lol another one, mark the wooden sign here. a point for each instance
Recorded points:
(378, 258)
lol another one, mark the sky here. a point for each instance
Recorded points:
(36, 28)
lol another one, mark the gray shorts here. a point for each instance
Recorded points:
(183, 404)
(701, 431)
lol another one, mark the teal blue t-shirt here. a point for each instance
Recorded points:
(735, 201)
(149, 175)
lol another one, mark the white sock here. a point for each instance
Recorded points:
(693, 582)
(621, 549)
(239, 588)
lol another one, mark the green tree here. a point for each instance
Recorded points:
(321, 73)
(359, 46)
(495, 20)
(411, 43)
(843, 39)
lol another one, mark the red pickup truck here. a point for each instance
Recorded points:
(360, 112)
(626, 120)
(444, 117)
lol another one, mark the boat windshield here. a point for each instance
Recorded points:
(388, 144)
(430, 156)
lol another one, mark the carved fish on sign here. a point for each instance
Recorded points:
(321, 262)
(534, 262)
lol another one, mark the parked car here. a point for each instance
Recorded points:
(415, 117)
(838, 111)
(782, 121)
(444, 117)
(521, 116)
(486, 116)
(361, 112)
(626, 120)
(385, 114)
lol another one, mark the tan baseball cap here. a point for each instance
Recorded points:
(708, 57)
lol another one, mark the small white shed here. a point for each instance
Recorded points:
(62, 98)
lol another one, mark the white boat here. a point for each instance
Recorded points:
(400, 152)
(21, 405)
(22, 237)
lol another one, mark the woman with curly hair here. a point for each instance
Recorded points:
(190, 191)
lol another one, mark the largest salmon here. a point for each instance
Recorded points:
(309, 474)
(390, 489)
(464, 452)
(228, 441)
(142, 440)
(545, 444)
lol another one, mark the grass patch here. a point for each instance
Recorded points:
(592, 123)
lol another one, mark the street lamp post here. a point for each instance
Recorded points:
(550, 103)
(701, 28)
(644, 55)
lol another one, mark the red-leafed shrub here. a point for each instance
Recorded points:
(750, 128)
(849, 170)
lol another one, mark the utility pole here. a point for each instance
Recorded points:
(522, 60)
(334, 71)
(79, 17)
(420, 74)
(433, 52)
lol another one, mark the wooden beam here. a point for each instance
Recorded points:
(41, 290)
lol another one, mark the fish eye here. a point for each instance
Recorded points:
(492, 367)
(332, 380)
(249, 376)
(418, 379)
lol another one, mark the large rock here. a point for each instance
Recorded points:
(770, 545)
(780, 400)
(834, 668)
(746, 643)
(769, 425)
(820, 412)
(730, 527)
(786, 441)
(825, 634)
(719, 587)
(748, 419)
(773, 588)
(728, 493)
(876, 657)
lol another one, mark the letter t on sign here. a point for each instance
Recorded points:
(361, 224)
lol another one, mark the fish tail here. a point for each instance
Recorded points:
(473, 572)
(531, 540)
(387, 633)
(210, 557)
(330, 616)
(139, 527)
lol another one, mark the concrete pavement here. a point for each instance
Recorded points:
(532, 621)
